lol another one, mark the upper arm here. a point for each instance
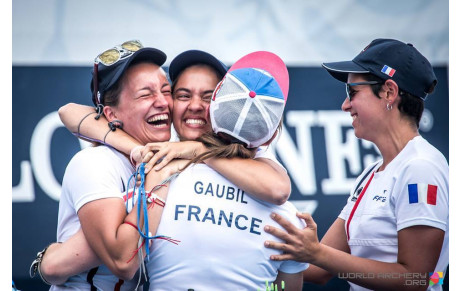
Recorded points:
(419, 248)
(292, 281)
(71, 114)
(261, 177)
(100, 220)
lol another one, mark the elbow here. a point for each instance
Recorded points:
(125, 271)
(64, 113)
(281, 193)
(52, 272)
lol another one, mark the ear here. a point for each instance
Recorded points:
(390, 90)
(110, 113)
(271, 139)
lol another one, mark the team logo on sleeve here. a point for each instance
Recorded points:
(422, 193)
(356, 194)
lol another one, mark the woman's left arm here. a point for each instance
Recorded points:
(261, 177)
(416, 257)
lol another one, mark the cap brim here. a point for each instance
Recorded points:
(340, 70)
(191, 57)
(268, 62)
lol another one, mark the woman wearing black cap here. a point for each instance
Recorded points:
(191, 103)
(394, 230)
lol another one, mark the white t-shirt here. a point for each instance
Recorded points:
(221, 235)
(93, 173)
(397, 198)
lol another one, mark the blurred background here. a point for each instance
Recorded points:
(55, 42)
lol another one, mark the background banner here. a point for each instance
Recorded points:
(55, 42)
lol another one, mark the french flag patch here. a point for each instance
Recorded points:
(422, 193)
(388, 71)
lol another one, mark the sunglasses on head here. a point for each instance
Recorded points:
(111, 57)
(348, 86)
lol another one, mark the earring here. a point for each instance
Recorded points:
(389, 106)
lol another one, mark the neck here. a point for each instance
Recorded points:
(393, 142)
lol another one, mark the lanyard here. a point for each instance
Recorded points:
(356, 205)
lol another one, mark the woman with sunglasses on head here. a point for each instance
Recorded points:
(130, 89)
(195, 74)
(394, 230)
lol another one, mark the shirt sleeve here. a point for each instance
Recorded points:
(292, 267)
(421, 195)
(91, 176)
(268, 153)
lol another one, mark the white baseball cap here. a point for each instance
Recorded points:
(249, 102)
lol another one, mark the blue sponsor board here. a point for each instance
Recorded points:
(317, 147)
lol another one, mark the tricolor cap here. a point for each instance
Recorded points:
(390, 59)
(249, 102)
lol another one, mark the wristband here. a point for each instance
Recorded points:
(35, 266)
(156, 199)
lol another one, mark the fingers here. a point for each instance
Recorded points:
(288, 226)
(277, 232)
(166, 159)
(281, 247)
(308, 220)
(152, 160)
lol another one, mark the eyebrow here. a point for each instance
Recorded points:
(182, 89)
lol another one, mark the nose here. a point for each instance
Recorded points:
(196, 104)
(161, 101)
(346, 105)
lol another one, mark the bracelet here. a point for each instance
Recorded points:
(81, 121)
(152, 197)
(35, 266)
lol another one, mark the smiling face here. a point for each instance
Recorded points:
(192, 95)
(366, 109)
(145, 104)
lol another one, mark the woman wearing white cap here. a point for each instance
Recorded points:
(218, 224)
(393, 233)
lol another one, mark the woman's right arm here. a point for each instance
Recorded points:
(79, 119)
(62, 260)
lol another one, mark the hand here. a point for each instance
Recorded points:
(300, 245)
(164, 152)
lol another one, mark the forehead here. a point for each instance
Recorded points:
(200, 72)
(354, 78)
(144, 72)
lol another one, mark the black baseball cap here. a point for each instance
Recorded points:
(390, 59)
(107, 76)
(193, 57)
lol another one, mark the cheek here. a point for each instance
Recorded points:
(177, 112)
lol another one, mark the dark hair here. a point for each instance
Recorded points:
(410, 105)
(216, 72)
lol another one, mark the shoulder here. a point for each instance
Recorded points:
(288, 211)
(95, 160)
(419, 150)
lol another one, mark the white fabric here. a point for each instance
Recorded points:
(93, 173)
(385, 208)
(221, 235)
(267, 152)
